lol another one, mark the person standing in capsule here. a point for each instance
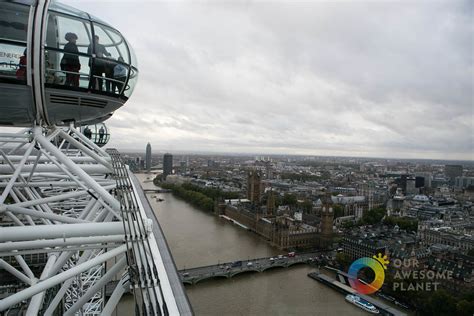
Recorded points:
(120, 75)
(97, 50)
(21, 71)
(101, 134)
(70, 62)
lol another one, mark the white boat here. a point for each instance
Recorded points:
(361, 303)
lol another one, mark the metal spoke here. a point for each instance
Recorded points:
(66, 210)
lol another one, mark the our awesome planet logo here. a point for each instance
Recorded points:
(378, 264)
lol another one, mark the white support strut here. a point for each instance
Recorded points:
(52, 281)
(66, 208)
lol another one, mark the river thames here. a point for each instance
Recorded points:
(197, 238)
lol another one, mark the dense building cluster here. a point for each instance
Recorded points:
(418, 212)
(405, 209)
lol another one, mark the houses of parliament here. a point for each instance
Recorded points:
(281, 228)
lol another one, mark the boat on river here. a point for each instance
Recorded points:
(361, 303)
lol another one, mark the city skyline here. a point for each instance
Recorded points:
(264, 156)
(252, 133)
(391, 80)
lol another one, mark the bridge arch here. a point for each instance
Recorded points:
(274, 266)
(216, 276)
(234, 273)
(296, 262)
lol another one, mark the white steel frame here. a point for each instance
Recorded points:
(58, 200)
(67, 214)
(70, 220)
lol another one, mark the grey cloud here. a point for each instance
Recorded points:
(354, 78)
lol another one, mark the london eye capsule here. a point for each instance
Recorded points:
(60, 65)
(98, 133)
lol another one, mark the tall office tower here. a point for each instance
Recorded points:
(148, 157)
(268, 169)
(403, 182)
(453, 171)
(183, 166)
(464, 182)
(423, 179)
(411, 186)
(167, 164)
(211, 163)
(419, 182)
(137, 162)
(253, 186)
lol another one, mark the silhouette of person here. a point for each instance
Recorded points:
(98, 67)
(101, 134)
(70, 62)
(109, 74)
(21, 71)
(120, 74)
(88, 132)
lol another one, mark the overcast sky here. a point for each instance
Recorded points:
(352, 78)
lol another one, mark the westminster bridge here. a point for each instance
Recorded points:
(230, 269)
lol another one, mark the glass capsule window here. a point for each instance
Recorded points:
(63, 8)
(13, 35)
(66, 60)
(111, 63)
(133, 78)
(87, 55)
(120, 44)
(112, 42)
(14, 21)
(60, 26)
(66, 69)
(132, 81)
(73, 57)
(98, 133)
(133, 58)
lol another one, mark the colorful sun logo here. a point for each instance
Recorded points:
(378, 264)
